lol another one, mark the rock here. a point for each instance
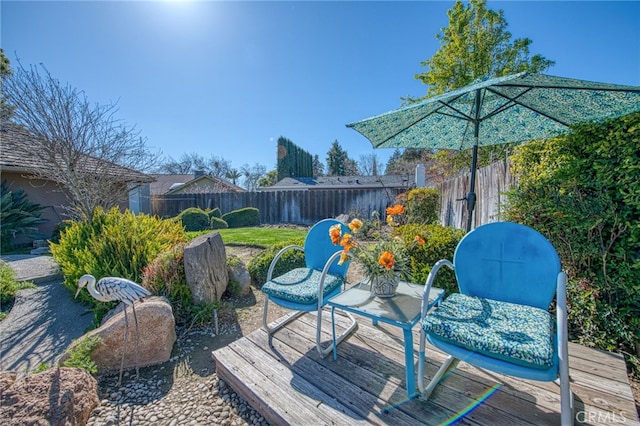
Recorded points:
(157, 331)
(58, 396)
(6, 380)
(205, 268)
(344, 218)
(239, 273)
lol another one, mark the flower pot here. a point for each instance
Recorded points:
(385, 285)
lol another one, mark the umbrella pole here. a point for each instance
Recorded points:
(471, 196)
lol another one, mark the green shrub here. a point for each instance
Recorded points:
(79, 355)
(581, 192)
(215, 213)
(217, 223)
(259, 265)
(112, 244)
(423, 205)
(241, 218)
(165, 276)
(17, 215)
(194, 219)
(440, 243)
(9, 285)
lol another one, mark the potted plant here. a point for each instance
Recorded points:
(385, 260)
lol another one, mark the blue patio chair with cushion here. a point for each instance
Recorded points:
(308, 289)
(508, 275)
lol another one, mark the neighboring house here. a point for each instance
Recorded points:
(197, 183)
(405, 182)
(18, 170)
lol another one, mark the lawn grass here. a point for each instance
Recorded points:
(258, 237)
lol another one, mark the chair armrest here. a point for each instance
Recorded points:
(278, 256)
(325, 271)
(429, 283)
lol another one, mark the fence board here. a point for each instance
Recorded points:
(306, 207)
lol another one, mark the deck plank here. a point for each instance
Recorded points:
(286, 380)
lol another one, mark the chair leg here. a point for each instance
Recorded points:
(448, 364)
(326, 351)
(278, 326)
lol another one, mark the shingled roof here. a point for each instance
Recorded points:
(15, 144)
(344, 182)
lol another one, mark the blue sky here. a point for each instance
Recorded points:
(229, 78)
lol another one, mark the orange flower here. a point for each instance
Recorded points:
(355, 225)
(397, 209)
(347, 242)
(335, 232)
(387, 260)
(418, 239)
(343, 258)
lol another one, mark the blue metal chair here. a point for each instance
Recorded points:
(508, 275)
(308, 289)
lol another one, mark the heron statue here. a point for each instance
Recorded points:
(110, 289)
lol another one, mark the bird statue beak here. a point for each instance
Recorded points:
(77, 293)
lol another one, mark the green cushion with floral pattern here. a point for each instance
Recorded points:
(301, 285)
(516, 333)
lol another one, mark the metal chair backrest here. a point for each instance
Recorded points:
(318, 247)
(509, 262)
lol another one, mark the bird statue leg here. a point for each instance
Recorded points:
(135, 319)
(124, 344)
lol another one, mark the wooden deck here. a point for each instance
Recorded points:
(288, 383)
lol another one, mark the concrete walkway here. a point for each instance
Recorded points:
(43, 321)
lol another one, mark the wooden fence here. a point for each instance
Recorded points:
(309, 206)
(304, 207)
(491, 183)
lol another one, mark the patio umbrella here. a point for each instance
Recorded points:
(514, 108)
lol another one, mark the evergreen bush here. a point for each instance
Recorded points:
(194, 219)
(423, 205)
(165, 276)
(215, 213)
(112, 244)
(440, 243)
(259, 265)
(218, 223)
(581, 191)
(242, 218)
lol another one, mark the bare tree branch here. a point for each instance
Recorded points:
(92, 154)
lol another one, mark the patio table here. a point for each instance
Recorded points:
(402, 310)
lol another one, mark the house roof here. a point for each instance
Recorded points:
(344, 182)
(171, 184)
(16, 144)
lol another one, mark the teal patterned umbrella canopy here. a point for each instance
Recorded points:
(515, 108)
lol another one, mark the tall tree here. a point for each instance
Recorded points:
(234, 175)
(369, 165)
(475, 45)
(6, 110)
(191, 163)
(270, 179)
(318, 167)
(77, 142)
(252, 175)
(339, 163)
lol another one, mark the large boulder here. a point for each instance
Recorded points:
(58, 396)
(156, 331)
(205, 268)
(239, 274)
